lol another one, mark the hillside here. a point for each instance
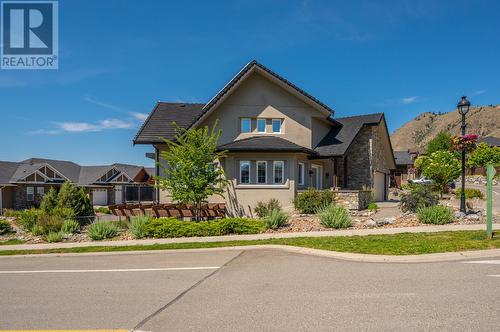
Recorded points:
(414, 135)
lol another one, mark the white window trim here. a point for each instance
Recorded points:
(257, 171)
(265, 125)
(241, 125)
(32, 194)
(276, 162)
(301, 173)
(272, 126)
(242, 162)
(42, 189)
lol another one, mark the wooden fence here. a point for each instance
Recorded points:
(181, 211)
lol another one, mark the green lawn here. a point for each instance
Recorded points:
(12, 241)
(399, 244)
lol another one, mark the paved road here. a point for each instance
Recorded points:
(259, 290)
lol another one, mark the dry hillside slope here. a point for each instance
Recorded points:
(414, 135)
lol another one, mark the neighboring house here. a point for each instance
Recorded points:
(279, 140)
(490, 140)
(405, 169)
(23, 184)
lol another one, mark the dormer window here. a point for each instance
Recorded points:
(276, 126)
(246, 125)
(261, 125)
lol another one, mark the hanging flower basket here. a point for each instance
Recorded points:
(467, 141)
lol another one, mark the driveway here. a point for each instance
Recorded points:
(259, 290)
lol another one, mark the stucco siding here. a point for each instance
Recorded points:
(257, 97)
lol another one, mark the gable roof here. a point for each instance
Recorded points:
(7, 170)
(403, 158)
(245, 72)
(490, 140)
(13, 172)
(340, 137)
(264, 144)
(160, 121)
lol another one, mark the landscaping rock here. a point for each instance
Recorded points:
(459, 215)
(371, 223)
(473, 216)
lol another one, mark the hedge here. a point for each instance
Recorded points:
(171, 227)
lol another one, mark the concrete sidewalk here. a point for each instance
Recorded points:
(346, 232)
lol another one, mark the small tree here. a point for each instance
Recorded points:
(484, 155)
(442, 167)
(49, 201)
(442, 142)
(76, 199)
(190, 168)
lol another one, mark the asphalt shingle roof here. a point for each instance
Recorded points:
(403, 158)
(491, 141)
(7, 171)
(340, 137)
(264, 144)
(12, 172)
(160, 121)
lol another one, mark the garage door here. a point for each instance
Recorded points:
(379, 186)
(100, 196)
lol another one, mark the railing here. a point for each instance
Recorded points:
(180, 211)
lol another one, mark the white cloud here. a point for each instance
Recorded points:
(114, 124)
(76, 127)
(409, 100)
(139, 116)
(479, 92)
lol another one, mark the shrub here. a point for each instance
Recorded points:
(50, 224)
(275, 219)
(63, 212)
(54, 237)
(75, 198)
(137, 226)
(264, 208)
(333, 216)
(70, 226)
(311, 200)
(102, 209)
(470, 193)
(37, 230)
(419, 196)
(102, 230)
(373, 206)
(4, 227)
(49, 201)
(436, 214)
(171, 227)
(26, 219)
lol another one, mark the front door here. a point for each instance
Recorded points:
(118, 195)
(317, 172)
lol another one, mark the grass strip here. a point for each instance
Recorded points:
(396, 244)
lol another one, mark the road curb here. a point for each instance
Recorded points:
(264, 236)
(366, 258)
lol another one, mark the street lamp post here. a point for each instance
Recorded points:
(463, 108)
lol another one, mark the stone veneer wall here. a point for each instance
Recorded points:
(353, 199)
(358, 162)
(19, 198)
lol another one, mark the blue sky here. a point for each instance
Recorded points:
(117, 58)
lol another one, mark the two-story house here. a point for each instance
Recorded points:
(280, 140)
